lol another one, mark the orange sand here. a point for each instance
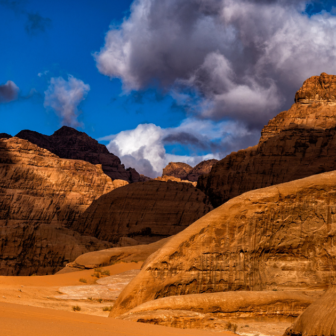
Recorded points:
(68, 279)
(19, 320)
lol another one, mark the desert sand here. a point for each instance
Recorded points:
(19, 320)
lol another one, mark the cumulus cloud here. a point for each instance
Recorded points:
(245, 58)
(64, 97)
(143, 148)
(8, 92)
(230, 64)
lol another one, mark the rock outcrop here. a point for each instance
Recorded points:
(177, 169)
(319, 319)
(276, 238)
(295, 144)
(41, 196)
(166, 178)
(184, 172)
(5, 136)
(202, 168)
(145, 211)
(69, 143)
(198, 310)
(111, 256)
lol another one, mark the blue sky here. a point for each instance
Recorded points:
(166, 80)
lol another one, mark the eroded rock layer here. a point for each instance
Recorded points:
(69, 143)
(319, 319)
(40, 196)
(295, 144)
(146, 211)
(222, 307)
(276, 238)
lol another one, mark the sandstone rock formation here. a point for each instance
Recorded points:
(177, 169)
(111, 256)
(5, 136)
(199, 309)
(41, 196)
(145, 211)
(185, 172)
(295, 144)
(69, 143)
(319, 319)
(276, 238)
(203, 167)
(166, 178)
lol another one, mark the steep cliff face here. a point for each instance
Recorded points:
(42, 195)
(69, 143)
(146, 211)
(295, 144)
(276, 238)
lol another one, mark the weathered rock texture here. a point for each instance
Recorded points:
(5, 136)
(146, 211)
(295, 144)
(276, 238)
(319, 319)
(111, 256)
(42, 195)
(222, 307)
(69, 143)
(177, 169)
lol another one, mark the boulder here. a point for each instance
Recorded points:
(319, 319)
(277, 238)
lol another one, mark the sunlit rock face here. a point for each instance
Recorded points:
(69, 143)
(295, 144)
(277, 238)
(41, 196)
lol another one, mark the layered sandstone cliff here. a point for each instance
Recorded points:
(277, 238)
(41, 196)
(295, 144)
(69, 143)
(146, 211)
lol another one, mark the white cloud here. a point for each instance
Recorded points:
(64, 97)
(143, 148)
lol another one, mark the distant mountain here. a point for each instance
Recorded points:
(69, 143)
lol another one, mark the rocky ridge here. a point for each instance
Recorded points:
(5, 136)
(295, 144)
(184, 172)
(69, 143)
(145, 211)
(277, 238)
(41, 196)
